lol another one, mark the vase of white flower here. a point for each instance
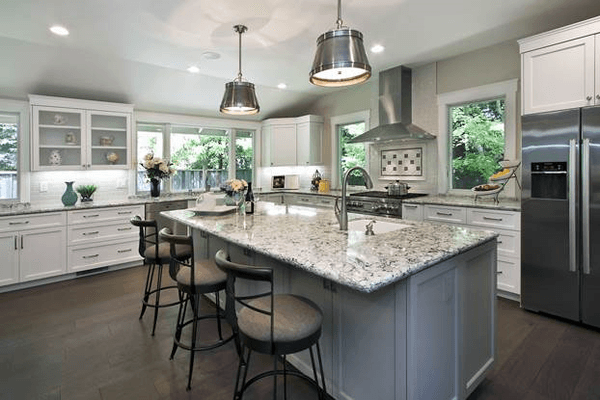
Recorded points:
(234, 190)
(156, 170)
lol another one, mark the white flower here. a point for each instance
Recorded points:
(148, 157)
(164, 168)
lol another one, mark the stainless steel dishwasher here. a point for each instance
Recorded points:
(153, 212)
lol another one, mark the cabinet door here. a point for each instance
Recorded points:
(58, 138)
(309, 143)
(283, 145)
(9, 262)
(559, 77)
(43, 253)
(109, 137)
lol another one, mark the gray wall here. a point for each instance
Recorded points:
(479, 67)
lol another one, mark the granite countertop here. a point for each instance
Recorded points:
(467, 201)
(310, 239)
(22, 209)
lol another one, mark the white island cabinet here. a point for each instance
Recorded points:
(408, 314)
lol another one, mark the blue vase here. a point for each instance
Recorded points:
(69, 197)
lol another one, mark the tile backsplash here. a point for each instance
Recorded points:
(111, 184)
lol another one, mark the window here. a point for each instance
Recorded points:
(476, 141)
(347, 155)
(478, 128)
(352, 154)
(202, 156)
(13, 123)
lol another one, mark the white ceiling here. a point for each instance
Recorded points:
(137, 51)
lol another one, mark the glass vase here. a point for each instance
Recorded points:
(154, 187)
(69, 198)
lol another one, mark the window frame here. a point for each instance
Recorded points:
(169, 120)
(507, 90)
(356, 117)
(21, 108)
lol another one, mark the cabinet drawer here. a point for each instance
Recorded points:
(95, 256)
(105, 214)
(324, 201)
(32, 221)
(509, 243)
(509, 275)
(413, 212)
(302, 200)
(92, 233)
(166, 206)
(494, 219)
(454, 215)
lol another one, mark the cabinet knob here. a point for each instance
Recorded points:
(589, 98)
(598, 96)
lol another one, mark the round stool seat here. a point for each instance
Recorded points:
(206, 276)
(297, 322)
(182, 250)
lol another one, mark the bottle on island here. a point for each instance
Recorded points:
(249, 200)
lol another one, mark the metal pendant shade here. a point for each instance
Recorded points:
(240, 96)
(340, 59)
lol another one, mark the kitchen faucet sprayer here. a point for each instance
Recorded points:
(342, 213)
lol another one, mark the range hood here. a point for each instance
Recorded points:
(395, 110)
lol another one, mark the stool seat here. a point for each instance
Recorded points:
(295, 318)
(182, 250)
(206, 275)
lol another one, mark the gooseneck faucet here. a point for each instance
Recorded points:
(342, 212)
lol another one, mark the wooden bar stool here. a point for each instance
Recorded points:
(270, 324)
(155, 254)
(194, 278)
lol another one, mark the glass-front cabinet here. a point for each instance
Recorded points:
(80, 134)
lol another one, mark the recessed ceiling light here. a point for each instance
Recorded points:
(211, 55)
(282, 86)
(377, 48)
(59, 30)
(193, 69)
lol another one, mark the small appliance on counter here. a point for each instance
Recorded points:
(285, 182)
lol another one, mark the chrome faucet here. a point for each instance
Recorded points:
(342, 212)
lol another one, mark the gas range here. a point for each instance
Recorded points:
(378, 203)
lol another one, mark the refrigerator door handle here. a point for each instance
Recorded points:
(585, 205)
(572, 206)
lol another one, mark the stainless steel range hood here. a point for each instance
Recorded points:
(395, 110)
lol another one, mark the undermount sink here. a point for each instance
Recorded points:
(360, 225)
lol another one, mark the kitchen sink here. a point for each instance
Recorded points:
(359, 225)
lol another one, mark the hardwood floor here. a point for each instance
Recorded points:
(82, 339)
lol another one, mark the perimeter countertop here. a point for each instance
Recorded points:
(310, 239)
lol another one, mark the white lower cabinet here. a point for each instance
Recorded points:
(33, 247)
(309, 200)
(506, 223)
(101, 237)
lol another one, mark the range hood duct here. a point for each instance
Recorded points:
(395, 110)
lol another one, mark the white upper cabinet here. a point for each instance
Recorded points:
(70, 134)
(560, 69)
(292, 141)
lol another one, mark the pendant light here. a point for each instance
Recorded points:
(239, 97)
(340, 59)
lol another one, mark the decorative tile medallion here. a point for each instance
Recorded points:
(402, 162)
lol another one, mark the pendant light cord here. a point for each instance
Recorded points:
(339, 21)
(240, 29)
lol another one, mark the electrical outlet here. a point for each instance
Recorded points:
(43, 187)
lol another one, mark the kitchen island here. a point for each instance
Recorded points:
(408, 313)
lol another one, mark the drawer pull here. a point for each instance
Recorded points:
(91, 233)
(325, 201)
(124, 212)
(16, 242)
(444, 214)
(498, 272)
(124, 251)
(21, 242)
(91, 216)
(492, 219)
(412, 206)
(305, 200)
(500, 242)
(124, 229)
(92, 256)
(19, 223)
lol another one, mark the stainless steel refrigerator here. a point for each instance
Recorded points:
(560, 214)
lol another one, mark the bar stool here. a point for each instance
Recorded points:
(194, 278)
(276, 324)
(155, 254)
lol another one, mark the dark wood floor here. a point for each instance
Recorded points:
(82, 339)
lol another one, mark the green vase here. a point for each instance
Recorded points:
(69, 197)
